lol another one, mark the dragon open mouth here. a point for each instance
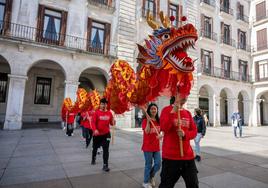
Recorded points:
(176, 54)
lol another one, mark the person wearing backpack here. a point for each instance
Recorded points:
(201, 131)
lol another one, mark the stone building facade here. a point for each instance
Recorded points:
(49, 48)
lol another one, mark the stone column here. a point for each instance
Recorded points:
(247, 112)
(16, 91)
(70, 89)
(258, 114)
(216, 111)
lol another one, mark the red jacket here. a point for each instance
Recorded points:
(168, 124)
(87, 119)
(101, 121)
(67, 116)
(150, 140)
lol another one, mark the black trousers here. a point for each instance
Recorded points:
(104, 142)
(172, 170)
(88, 135)
(69, 129)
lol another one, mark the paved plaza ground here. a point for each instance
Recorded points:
(47, 158)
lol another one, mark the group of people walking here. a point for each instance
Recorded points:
(96, 126)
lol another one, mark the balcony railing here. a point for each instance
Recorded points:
(106, 3)
(228, 41)
(223, 74)
(242, 18)
(260, 17)
(260, 47)
(209, 35)
(30, 34)
(209, 2)
(243, 47)
(227, 10)
(258, 79)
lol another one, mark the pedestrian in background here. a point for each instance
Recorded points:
(237, 123)
(201, 131)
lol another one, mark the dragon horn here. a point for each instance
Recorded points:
(150, 21)
(164, 20)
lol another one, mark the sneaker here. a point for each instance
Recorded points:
(198, 158)
(152, 180)
(146, 185)
(106, 168)
(93, 162)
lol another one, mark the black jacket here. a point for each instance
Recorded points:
(200, 123)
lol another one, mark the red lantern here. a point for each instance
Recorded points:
(172, 18)
(183, 19)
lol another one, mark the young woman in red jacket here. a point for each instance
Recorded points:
(151, 145)
(174, 164)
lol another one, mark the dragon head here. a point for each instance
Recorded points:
(167, 47)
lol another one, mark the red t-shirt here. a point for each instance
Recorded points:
(101, 121)
(87, 115)
(150, 141)
(168, 124)
(67, 116)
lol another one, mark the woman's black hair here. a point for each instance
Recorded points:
(149, 113)
(172, 100)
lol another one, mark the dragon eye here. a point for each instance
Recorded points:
(165, 36)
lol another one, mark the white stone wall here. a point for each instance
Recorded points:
(128, 27)
(215, 85)
(259, 88)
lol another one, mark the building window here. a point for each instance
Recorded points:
(263, 70)
(226, 34)
(149, 5)
(262, 39)
(51, 26)
(242, 43)
(206, 60)
(42, 90)
(243, 69)
(174, 11)
(240, 11)
(226, 66)
(3, 87)
(207, 27)
(2, 13)
(260, 11)
(98, 37)
(5, 15)
(225, 6)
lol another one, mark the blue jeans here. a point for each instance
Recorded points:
(240, 130)
(150, 170)
(197, 143)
